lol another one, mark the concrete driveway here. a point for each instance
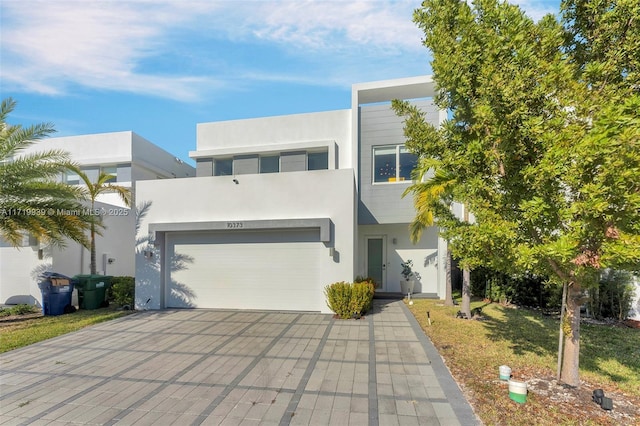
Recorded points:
(215, 367)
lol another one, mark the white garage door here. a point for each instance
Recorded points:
(245, 270)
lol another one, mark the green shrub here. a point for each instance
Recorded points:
(522, 289)
(362, 297)
(122, 291)
(349, 300)
(613, 296)
(18, 310)
(338, 298)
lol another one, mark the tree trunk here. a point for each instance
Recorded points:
(466, 276)
(563, 307)
(448, 297)
(93, 249)
(571, 358)
(466, 292)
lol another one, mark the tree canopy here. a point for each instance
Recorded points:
(542, 144)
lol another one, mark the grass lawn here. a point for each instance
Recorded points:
(19, 331)
(527, 341)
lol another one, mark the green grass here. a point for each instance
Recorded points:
(26, 331)
(527, 341)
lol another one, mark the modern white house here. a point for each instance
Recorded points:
(283, 206)
(129, 158)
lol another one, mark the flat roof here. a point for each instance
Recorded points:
(400, 88)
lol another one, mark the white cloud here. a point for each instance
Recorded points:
(50, 47)
(322, 24)
(536, 9)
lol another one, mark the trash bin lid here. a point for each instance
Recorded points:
(49, 274)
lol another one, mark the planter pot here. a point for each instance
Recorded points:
(505, 372)
(518, 391)
(406, 286)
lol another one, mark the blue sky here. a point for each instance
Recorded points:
(160, 67)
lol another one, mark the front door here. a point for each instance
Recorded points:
(376, 261)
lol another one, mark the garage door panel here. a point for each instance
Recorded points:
(247, 270)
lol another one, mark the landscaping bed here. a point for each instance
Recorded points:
(527, 340)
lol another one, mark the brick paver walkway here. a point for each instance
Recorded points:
(210, 367)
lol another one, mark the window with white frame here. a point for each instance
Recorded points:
(392, 163)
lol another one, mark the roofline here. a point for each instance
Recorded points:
(401, 88)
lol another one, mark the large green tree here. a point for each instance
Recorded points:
(91, 190)
(542, 144)
(32, 198)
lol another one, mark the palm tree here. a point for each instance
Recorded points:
(429, 195)
(32, 200)
(91, 191)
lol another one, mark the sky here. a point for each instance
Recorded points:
(159, 67)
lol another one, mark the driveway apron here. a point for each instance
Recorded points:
(210, 367)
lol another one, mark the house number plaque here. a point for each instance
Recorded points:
(235, 225)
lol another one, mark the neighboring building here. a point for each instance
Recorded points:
(126, 156)
(283, 206)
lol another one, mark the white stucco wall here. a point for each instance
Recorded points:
(116, 241)
(268, 132)
(294, 195)
(424, 255)
(19, 269)
(100, 148)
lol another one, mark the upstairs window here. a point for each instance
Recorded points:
(112, 171)
(71, 178)
(270, 164)
(392, 163)
(318, 160)
(223, 167)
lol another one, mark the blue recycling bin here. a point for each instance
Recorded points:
(57, 290)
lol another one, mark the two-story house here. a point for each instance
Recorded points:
(128, 158)
(282, 206)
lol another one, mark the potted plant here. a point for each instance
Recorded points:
(408, 277)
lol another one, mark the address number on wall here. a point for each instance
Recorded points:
(235, 225)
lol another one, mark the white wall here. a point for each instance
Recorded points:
(634, 312)
(294, 195)
(101, 148)
(424, 255)
(20, 268)
(117, 242)
(261, 133)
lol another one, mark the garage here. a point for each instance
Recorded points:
(275, 269)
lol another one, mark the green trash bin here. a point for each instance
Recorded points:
(92, 290)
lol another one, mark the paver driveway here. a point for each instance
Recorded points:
(234, 367)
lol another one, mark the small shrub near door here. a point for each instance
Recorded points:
(362, 297)
(122, 291)
(349, 300)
